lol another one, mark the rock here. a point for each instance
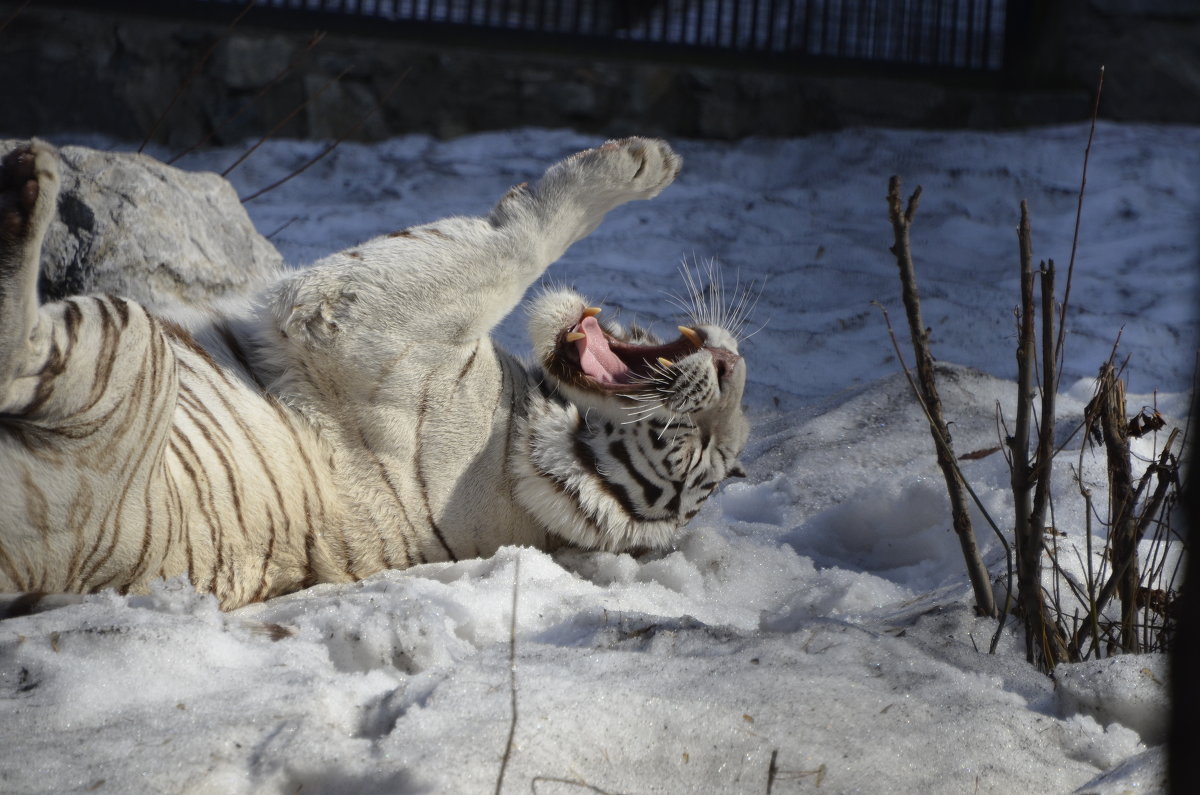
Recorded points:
(130, 225)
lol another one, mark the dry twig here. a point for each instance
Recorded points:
(1122, 499)
(1008, 556)
(366, 117)
(1126, 530)
(569, 782)
(512, 678)
(13, 15)
(312, 43)
(1045, 644)
(902, 220)
(187, 81)
(1062, 315)
(279, 124)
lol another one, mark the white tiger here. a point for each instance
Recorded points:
(356, 416)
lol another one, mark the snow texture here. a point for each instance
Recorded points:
(812, 631)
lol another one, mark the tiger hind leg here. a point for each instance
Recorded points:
(29, 182)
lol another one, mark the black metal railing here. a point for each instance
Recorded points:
(967, 35)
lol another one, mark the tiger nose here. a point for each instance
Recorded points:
(724, 361)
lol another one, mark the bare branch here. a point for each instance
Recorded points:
(312, 43)
(962, 478)
(985, 600)
(1045, 646)
(533, 785)
(1122, 500)
(353, 130)
(512, 677)
(1062, 315)
(279, 125)
(14, 15)
(1125, 569)
(187, 81)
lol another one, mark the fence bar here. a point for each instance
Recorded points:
(971, 35)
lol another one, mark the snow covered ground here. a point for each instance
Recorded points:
(813, 630)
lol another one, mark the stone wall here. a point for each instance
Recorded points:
(1150, 50)
(71, 70)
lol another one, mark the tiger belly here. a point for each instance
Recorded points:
(258, 508)
(127, 455)
(421, 452)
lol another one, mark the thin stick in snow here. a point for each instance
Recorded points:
(533, 785)
(974, 497)
(512, 677)
(1045, 645)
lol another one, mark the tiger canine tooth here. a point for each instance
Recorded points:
(592, 311)
(665, 362)
(576, 336)
(692, 336)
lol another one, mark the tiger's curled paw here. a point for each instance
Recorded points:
(28, 192)
(616, 172)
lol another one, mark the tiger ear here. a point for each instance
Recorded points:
(736, 471)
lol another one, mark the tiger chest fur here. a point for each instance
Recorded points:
(355, 415)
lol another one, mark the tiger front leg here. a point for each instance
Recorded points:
(29, 182)
(453, 280)
(573, 196)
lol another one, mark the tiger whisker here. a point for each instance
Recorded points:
(641, 414)
(761, 326)
(648, 396)
(679, 303)
(645, 384)
(708, 302)
(633, 421)
(747, 303)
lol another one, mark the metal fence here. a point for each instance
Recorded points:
(946, 34)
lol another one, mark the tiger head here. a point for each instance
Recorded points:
(634, 433)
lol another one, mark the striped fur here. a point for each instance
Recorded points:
(355, 415)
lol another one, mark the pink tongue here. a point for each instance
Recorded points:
(596, 359)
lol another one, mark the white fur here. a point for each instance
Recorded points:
(354, 416)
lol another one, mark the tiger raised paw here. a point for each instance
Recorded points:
(355, 415)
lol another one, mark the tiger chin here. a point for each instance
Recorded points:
(354, 416)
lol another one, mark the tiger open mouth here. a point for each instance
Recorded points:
(590, 356)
